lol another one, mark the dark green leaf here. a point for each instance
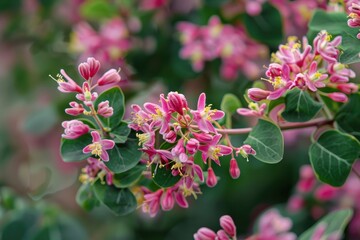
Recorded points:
(72, 149)
(116, 101)
(334, 222)
(120, 133)
(121, 201)
(267, 140)
(351, 47)
(333, 155)
(299, 106)
(86, 198)
(163, 177)
(124, 156)
(348, 117)
(266, 27)
(230, 103)
(128, 178)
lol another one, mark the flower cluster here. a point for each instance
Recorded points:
(227, 232)
(109, 45)
(74, 129)
(185, 132)
(302, 66)
(354, 15)
(217, 40)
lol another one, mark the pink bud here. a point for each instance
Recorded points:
(110, 77)
(94, 66)
(338, 97)
(221, 234)
(203, 137)
(170, 137)
(74, 129)
(325, 192)
(296, 203)
(234, 169)
(192, 146)
(75, 110)
(211, 180)
(227, 223)
(181, 200)
(257, 94)
(69, 86)
(274, 70)
(205, 234)
(348, 88)
(84, 70)
(167, 200)
(105, 110)
(177, 102)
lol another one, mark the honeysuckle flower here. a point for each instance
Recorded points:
(325, 192)
(347, 88)
(177, 102)
(104, 109)
(245, 151)
(74, 129)
(170, 136)
(253, 111)
(167, 200)
(227, 223)
(110, 77)
(138, 117)
(211, 179)
(213, 150)
(205, 234)
(234, 169)
(221, 235)
(99, 146)
(203, 116)
(75, 110)
(295, 203)
(340, 73)
(314, 79)
(338, 97)
(192, 146)
(89, 68)
(307, 179)
(257, 94)
(147, 138)
(96, 169)
(86, 95)
(159, 115)
(326, 48)
(354, 16)
(151, 204)
(67, 86)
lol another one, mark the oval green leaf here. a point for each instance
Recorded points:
(299, 106)
(163, 177)
(332, 156)
(72, 149)
(86, 198)
(128, 178)
(121, 132)
(120, 201)
(348, 117)
(267, 140)
(230, 103)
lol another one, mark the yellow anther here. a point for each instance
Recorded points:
(253, 106)
(96, 149)
(215, 152)
(292, 39)
(278, 82)
(143, 138)
(353, 15)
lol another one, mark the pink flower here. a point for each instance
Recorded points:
(257, 94)
(89, 68)
(110, 77)
(177, 102)
(87, 96)
(159, 115)
(211, 180)
(75, 110)
(325, 192)
(74, 129)
(104, 109)
(203, 116)
(295, 203)
(213, 150)
(192, 146)
(152, 202)
(227, 223)
(147, 138)
(69, 86)
(167, 200)
(99, 146)
(340, 73)
(253, 111)
(234, 169)
(94, 169)
(326, 48)
(205, 234)
(348, 88)
(338, 97)
(245, 151)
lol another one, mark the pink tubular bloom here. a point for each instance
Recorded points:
(89, 68)
(152, 202)
(227, 223)
(177, 102)
(75, 110)
(205, 234)
(99, 146)
(257, 94)
(338, 97)
(211, 180)
(104, 109)
(326, 48)
(192, 146)
(234, 169)
(245, 151)
(87, 96)
(273, 226)
(348, 88)
(296, 203)
(253, 111)
(167, 200)
(94, 169)
(213, 150)
(69, 86)
(110, 77)
(325, 192)
(74, 129)
(203, 116)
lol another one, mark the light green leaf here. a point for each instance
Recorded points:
(121, 201)
(267, 140)
(230, 103)
(334, 223)
(97, 10)
(299, 106)
(332, 156)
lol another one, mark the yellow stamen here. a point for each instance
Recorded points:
(96, 149)
(143, 138)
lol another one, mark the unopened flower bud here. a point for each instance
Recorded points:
(221, 234)
(257, 94)
(203, 137)
(170, 137)
(110, 77)
(227, 223)
(74, 129)
(167, 200)
(211, 180)
(192, 146)
(94, 66)
(75, 110)
(177, 102)
(234, 169)
(338, 97)
(325, 192)
(348, 88)
(105, 110)
(84, 70)
(274, 70)
(205, 234)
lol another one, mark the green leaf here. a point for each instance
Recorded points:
(163, 177)
(41, 121)
(120, 133)
(230, 103)
(299, 106)
(71, 150)
(128, 178)
(348, 117)
(124, 156)
(266, 139)
(116, 100)
(266, 27)
(350, 46)
(86, 198)
(334, 222)
(120, 201)
(97, 9)
(333, 155)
